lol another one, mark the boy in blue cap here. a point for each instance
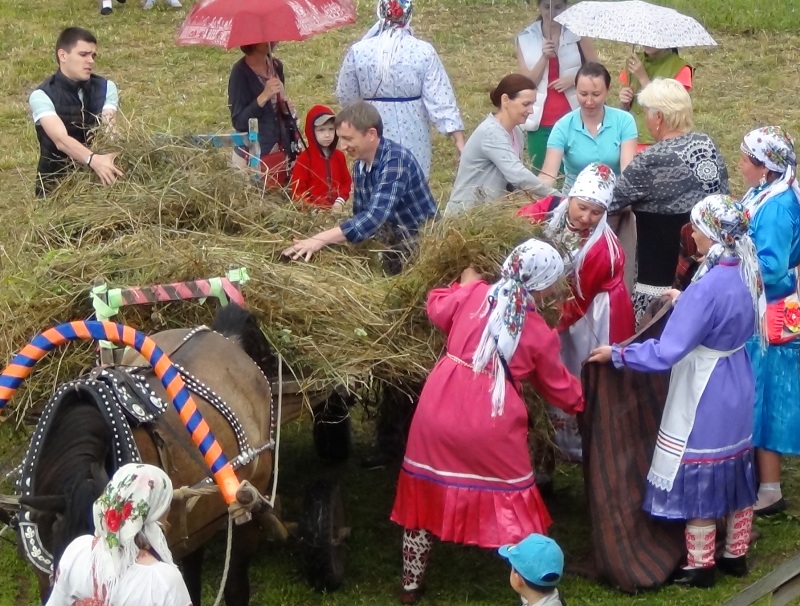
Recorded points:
(537, 564)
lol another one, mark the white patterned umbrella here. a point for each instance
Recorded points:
(634, 22)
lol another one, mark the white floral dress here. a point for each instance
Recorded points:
(406, 81)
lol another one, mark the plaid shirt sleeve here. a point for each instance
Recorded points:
(391, 184)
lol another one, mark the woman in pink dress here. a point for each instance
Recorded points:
(600, 311)
(467, 475)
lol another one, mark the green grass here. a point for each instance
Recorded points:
(750, 80)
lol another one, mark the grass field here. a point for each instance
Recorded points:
(750, 80)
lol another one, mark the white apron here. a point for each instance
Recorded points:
(577, 342)
(687, 383)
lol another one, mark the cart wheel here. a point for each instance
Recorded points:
(323, 536)
(333, 429)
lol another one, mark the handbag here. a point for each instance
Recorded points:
(783, 319)
(276, 168)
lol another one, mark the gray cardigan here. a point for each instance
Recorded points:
(488, 164)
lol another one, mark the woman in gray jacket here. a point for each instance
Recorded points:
(491, 163)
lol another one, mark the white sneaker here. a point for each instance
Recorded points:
(148, 5)
(175, 4)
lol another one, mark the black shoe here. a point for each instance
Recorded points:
(733, 567)
(106, 10)
(770, 510)
(696, 577)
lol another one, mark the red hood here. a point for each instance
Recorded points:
(314, 113)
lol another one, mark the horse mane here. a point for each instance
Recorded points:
(236, 323)
(70, 475)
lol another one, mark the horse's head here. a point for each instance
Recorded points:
(70, 475)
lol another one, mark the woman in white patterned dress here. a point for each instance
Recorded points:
(405, 79)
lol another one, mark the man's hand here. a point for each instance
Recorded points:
(563, 83)
(303, 249)
(103, 166)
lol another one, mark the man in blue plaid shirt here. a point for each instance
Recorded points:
(391, 200)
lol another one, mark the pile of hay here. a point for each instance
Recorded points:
(180, 213)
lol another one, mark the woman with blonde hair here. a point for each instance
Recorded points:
(663, 183)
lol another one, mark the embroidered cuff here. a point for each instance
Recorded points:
(618, 356)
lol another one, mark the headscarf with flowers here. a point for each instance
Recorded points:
(726, 223)
(133, 502)
(773, 147)
(394, 18)
(595, 184)
(532, 266)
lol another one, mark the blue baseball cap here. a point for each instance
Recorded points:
(538, 559)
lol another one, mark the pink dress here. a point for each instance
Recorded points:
(467, 477)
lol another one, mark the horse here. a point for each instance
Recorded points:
(226, 366)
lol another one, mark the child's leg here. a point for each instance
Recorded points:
(737, 542)
(416, 549)
(701, 538)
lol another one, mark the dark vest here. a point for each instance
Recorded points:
(78, 118)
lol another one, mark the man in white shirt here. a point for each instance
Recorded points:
(67, 106)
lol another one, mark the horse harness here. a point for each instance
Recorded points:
(124, 397)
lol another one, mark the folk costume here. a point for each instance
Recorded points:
(775, 228)
(703, 469)
(467, 475)
(320, 176)
(600, 310)
(403, 77)
(104, 569)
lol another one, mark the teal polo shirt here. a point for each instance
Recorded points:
(581, 148)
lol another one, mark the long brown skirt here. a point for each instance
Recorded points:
(631, 550)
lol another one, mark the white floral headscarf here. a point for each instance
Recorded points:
(726, 223)
(773, 147)
(394, 21)
(532, 266)
(134, 501)
(595, 184)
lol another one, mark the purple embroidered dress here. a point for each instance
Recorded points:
(715, 476)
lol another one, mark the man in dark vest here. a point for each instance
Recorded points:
(67, 106)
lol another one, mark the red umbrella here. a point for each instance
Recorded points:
(229, 23)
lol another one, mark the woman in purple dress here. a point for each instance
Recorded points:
(702, 469)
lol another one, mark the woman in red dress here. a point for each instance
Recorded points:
(600, 311)
(467, 475)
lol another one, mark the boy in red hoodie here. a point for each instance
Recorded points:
(320, 176)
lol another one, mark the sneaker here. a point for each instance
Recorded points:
(148, 5)
(106, 10)
(175, 4)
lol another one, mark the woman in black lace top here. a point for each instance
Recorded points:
(663, 183)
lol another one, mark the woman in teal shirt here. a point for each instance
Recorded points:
(594, 132)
